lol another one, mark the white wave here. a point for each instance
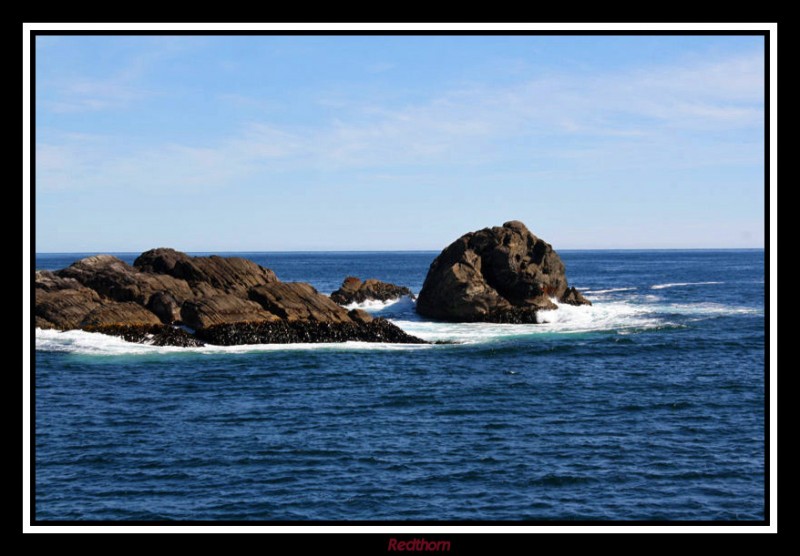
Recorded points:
(612, 290)
(679, 284)
(710, 309)
(373, 305)
(650, 298)
(92, 343)
(567, 319)
(621, 317)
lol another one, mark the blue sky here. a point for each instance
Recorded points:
(382, 143)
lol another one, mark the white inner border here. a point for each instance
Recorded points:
(498, 27)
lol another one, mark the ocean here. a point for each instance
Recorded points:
(649, 405)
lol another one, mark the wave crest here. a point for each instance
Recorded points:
(681, 284)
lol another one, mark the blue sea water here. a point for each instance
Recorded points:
(648, 405)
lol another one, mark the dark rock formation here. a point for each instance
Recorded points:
(225, 300)
(292, 332)
(353, 290)
(500, 274)
(573, 297)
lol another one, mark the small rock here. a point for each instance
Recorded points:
(360, 315)
(353, 290)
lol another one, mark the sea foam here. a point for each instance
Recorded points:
(567, 319)
(374, 305)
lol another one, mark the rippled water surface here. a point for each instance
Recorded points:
(648, 405)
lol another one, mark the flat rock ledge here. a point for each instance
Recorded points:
(168, 298)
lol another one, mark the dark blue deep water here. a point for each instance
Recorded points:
(648, 405)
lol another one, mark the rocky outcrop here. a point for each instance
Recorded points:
(500, 274)
(353, 290)
(224, 300)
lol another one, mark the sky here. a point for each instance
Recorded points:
(285, 143)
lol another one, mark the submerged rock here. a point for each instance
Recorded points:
(500, 274)
(353, 290)
(225, 300)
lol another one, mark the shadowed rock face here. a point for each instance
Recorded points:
(353, 290)
(500, 274)
(229, 300)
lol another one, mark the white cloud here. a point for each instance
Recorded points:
(92, 95)
(65, 94)
(640, 119)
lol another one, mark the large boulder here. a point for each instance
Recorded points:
(499, 274)
(353, 290)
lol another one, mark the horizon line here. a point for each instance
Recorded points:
(407, 250)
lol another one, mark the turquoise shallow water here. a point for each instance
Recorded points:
(648, 405)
